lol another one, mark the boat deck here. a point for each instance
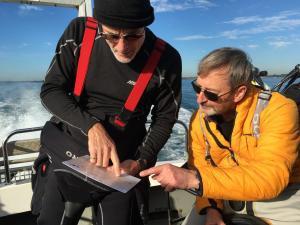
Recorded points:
(15, 196)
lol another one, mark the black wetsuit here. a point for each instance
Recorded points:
(107, 86)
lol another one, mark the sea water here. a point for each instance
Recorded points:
(20, 107)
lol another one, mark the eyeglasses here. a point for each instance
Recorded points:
(114, 38)
(208, 94)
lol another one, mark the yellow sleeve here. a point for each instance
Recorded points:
(196, 158)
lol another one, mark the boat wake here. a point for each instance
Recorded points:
(20, 107)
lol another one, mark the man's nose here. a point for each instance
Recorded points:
(122, 43)
(201, 97)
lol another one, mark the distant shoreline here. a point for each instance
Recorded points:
(183, 78)
(187, 78)
(11, 81)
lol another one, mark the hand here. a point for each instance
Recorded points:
(129, 166)
(102, 148)
(213, 217)
(171, 177)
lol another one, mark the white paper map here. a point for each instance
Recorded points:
(82, 164)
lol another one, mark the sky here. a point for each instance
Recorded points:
(268, 30)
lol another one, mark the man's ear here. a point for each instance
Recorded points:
(239, 94)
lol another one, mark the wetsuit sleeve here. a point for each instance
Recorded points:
(56, 92)
(165, 110)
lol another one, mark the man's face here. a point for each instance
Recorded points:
(124, 43)
(216, 96)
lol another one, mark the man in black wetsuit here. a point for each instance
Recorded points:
(121, 49)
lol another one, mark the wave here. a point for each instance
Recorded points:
(176, 147)
(20, 108)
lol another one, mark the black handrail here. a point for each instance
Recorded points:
(292, 76)
(5, 149)
(185, 130)
(186, 133)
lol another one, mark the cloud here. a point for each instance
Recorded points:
(282, 41)
(193, 37)
(231, 34)
(24, 45)
(280, 44)
(290, 13)
(177, 5)
(26, 9)
(244, 20)
(284, 21)
(30, 8)
(48, 43)
(252, 46)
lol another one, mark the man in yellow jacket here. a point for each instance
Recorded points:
(241, 158)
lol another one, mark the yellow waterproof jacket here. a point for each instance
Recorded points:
(246, 168)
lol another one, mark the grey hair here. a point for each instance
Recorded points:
(237, 62)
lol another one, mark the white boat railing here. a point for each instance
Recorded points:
(16, 167)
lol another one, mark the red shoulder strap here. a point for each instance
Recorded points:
(90, 31)
(145, 76)
(141, 84)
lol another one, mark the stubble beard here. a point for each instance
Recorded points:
(208, 111)
(123, 58)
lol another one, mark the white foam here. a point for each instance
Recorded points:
(20, 108)
(175, 148)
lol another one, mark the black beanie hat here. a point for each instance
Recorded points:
(124, 13)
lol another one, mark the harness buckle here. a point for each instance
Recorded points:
(120, 120)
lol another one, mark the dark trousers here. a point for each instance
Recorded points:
(114, 208)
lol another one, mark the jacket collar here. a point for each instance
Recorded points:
(244, 114)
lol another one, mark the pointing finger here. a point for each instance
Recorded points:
(93, 155)
(116, 162)
(93, 158)
(99, 158)
(105, 158)
(150, 171)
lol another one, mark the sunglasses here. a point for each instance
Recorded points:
(208, 94)
(114, 38)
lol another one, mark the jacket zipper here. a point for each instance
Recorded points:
(220, 144)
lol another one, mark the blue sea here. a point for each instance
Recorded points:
(20, 107)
